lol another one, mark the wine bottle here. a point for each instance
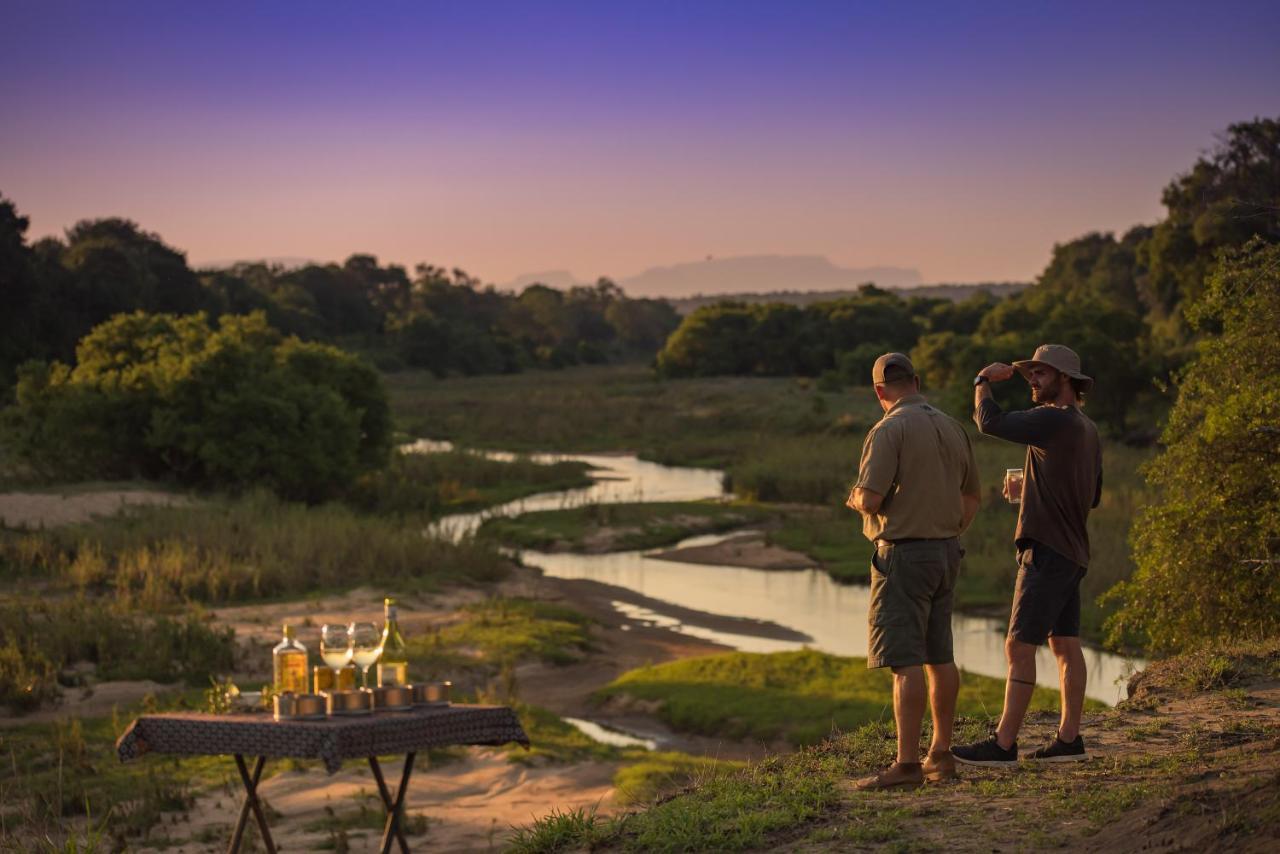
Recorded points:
(393, 665)
(289, 665)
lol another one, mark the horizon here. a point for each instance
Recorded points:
(607, 142)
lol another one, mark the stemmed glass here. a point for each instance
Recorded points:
(335, 647)
(366, 646)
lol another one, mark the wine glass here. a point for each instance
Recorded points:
(335, 646)
(366, 646)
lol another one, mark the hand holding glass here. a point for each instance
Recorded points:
(1013, 485)
(366, 645)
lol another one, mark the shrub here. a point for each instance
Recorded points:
(1208, 549)
(236, 406)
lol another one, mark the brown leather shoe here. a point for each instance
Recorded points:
(899, 774)
(939, 766)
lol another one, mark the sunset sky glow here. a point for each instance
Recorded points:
(602, 138)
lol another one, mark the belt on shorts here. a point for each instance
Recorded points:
(905, 540)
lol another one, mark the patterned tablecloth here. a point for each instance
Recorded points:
(332, 740)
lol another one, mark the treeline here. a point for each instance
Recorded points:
(953, 292)
(1117, 301)
(54, 291)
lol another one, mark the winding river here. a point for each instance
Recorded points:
(822, 614)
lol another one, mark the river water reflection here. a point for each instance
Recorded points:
(832, 616)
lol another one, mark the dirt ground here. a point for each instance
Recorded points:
(748, 549)
(469, 803)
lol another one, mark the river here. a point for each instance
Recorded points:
(830, 617)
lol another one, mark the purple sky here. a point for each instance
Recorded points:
(603, 138)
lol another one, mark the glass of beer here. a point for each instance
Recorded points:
(1013, 485)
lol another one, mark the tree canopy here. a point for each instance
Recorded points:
(234, 405)
(1208, 549)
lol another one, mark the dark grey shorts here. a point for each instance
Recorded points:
(1046, 598)
(912, 590)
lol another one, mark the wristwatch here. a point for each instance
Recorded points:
(980, 379)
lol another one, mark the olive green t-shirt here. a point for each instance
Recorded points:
(921, 460)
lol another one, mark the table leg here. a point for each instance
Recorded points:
(251, 803)
(394, 807)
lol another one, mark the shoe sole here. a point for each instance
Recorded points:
(941, 778)
(1075, 757)
(990, 763)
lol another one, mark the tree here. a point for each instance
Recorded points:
(1225, 199)
(237, 406)
(1208, 549)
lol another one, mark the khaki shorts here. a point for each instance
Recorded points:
(912, 591)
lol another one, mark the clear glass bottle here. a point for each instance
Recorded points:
(393, 665)
(289, 665)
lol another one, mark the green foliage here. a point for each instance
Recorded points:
(697, 421)
(620, 527)
(40, 636)
(1208, 548)
(251, 547)
(1222, 202)
(799, 697)
(502, 630)
(433, 484)
(779, 339)
(236, 406)
(660, 773)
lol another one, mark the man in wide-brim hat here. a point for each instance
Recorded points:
(1062, 482)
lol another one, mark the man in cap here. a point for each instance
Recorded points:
(917, 490)
(1062, 482)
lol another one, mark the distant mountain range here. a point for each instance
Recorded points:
(742, 274)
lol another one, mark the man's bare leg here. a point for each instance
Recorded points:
(908, 710)
(1017, 690)
(1072, 677)
(944, 687)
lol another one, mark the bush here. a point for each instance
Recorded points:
(236, 406)
(1208, 549)
(247, 548)
(38, 637)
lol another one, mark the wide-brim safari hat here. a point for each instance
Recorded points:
(1059, 358)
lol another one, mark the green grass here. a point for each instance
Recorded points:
(433, 484)
(632, 526)
(55, 772)
(799, 697)
(659, 773)
(778, 440)
(702, 422)
(39, 636)
(238, 549)
(502, 631)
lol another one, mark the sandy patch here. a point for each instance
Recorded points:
(50, 510)
(93, 701)
(470, 805)
(747, 549)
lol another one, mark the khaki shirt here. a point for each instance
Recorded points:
(921, 460)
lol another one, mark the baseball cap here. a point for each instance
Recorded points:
(892, 367)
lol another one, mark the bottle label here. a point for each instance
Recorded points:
(390, 612)
(291, 674)
(393, 673)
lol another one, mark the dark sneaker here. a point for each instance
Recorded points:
(1060, 751)
(897, 775)
(987, 752)
(938, 767)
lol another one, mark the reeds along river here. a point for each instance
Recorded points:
(827, 616)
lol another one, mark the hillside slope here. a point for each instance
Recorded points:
(1190, 762)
